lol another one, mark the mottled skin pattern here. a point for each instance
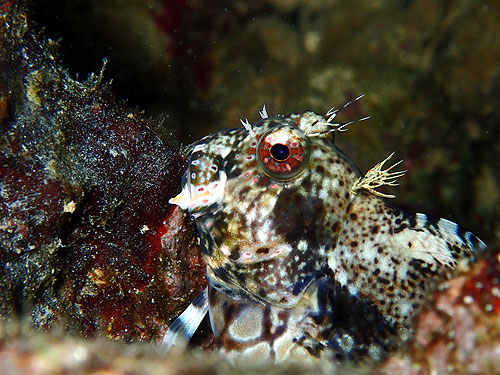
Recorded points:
(304, 259)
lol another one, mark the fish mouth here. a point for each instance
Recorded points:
(198, 196)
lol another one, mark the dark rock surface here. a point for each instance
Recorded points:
(87, 235)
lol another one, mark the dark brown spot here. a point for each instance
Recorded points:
(354, 243)
(395, 260)
(353, 216)
(283, 315)
(264, 181)
(306, 183)
(235, 253)
(244, 192)
(263, 250)
(375, 229)
(229, 312)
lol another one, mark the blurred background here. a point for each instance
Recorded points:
(430, 72)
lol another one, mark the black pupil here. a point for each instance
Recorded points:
(280, 152)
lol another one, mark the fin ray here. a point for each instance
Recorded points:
(183, 328)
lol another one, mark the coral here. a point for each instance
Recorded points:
(87, 235)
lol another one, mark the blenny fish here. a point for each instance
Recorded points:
(305, 259)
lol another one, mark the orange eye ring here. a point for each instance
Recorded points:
(280, 152)
(283, 152)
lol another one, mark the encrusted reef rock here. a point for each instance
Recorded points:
(87, 236)
(459, 332)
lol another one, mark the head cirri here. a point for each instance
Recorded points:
(279, 146)
(262, 199)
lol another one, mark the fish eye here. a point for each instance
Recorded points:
(283, 153)
(280, 152)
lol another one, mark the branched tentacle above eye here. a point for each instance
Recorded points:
(248, 127)
(330, 115)
(327, 126)
(263, 112)
(377, 177)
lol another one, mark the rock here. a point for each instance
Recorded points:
(87, 235)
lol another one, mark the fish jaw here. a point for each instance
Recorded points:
(195, 198)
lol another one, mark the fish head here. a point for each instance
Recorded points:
(268, 200)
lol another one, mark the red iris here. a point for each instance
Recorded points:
(281, 153)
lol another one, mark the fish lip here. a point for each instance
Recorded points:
(199, 197)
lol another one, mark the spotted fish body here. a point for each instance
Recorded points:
(304, 257)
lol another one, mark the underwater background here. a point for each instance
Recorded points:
(90, 157)
(430, 73)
